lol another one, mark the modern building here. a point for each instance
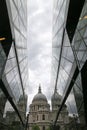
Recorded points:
(41, 115)
(13, 56)
(69, 50)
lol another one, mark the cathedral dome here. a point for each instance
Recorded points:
(23, 97)
(56, 96)
(39, 96)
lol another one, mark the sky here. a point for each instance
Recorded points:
(39, 47)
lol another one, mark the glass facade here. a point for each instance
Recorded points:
(80, 38)
(80, 51)
(69, 59)
(13, 65)
(61, 47)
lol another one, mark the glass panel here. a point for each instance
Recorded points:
(13, 69)
(79, 42)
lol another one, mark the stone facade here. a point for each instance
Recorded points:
(41, 115)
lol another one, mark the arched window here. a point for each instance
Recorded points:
(43, 117)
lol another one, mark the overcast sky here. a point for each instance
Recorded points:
(39, 46)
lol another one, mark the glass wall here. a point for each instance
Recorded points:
(68, 61)
(80, 38)
(59, 21)
(63, 59)
(13, 67)
(2, 59)
(79, 45)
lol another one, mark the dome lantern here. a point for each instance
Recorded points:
(39, 96)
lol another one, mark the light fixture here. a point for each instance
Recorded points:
(2, 38)
(85, 17)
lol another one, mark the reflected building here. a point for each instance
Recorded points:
(2, 104)
(12, 118)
